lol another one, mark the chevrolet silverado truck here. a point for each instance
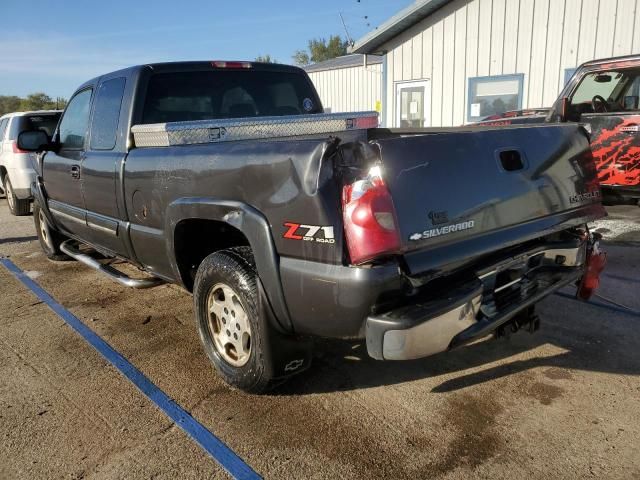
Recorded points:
(286, 223)
(604, 96)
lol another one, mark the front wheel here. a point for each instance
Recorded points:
(229, 321)
(18, 207)
(50, 240)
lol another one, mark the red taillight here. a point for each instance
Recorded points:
(596, 261)
(370, 224)
(14, 146)
(224, 64)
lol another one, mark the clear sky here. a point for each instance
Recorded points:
(70, 41)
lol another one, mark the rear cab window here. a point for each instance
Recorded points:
(221, 94)
(45, 122)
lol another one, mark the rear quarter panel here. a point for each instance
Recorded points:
(287, 181)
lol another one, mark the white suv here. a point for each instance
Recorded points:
(17, 166)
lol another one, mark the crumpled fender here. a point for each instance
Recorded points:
(255, 228)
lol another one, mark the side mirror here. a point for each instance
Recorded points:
(34, 141)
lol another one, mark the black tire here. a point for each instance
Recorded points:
(49, 238)
(233, 268)
(18, 207)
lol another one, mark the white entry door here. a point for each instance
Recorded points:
(413, 104)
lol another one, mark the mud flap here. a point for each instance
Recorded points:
(39, 195)
(284, 354)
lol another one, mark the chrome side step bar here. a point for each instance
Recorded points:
(70, 247)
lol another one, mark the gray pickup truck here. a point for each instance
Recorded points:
(287, 223)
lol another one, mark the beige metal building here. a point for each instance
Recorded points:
(352, 83)
(448, 62)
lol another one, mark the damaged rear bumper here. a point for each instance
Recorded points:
(475, 308)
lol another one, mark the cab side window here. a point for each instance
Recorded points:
(75, 121)
(106, 114)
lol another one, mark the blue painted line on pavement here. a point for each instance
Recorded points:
(595, 303)
(220, 452)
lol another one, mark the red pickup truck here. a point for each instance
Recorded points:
(604, 96)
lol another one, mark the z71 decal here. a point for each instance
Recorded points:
(309, 233)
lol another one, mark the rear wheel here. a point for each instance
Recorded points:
(17, 206)
(231, 327)
(50, 240)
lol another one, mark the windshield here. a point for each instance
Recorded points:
(182, 96)
(607, 91)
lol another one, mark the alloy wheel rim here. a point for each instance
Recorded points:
(229, 325)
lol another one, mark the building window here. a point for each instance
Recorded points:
(494, 95)
(568, 73)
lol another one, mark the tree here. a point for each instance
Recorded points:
(37, 101)
(266, 59)
(34, 101)
(301, 58)
(319, 50)
(9, 104)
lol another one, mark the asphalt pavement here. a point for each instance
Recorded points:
(561, 403)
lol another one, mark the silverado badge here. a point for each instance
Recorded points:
(447, 229)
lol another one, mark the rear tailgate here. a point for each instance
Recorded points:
(461, 194)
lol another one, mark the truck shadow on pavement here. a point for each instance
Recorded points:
(590, 340)
(29, 238)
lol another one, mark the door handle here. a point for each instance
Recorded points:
(630, 129)
(75, 171)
